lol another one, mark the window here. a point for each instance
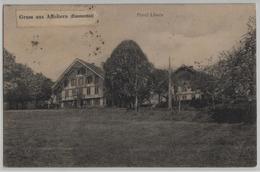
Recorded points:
(74, 92)
(65, 83)
(80, 91)
(66, 93)
(96, 90)
(88, 90)
(80, 81)
(89, 79)
(88, 102)
(73, 82)
(97, 102)
(179, 89)
(81, 71)
(96, 79)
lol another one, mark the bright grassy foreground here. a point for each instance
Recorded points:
(116, 137)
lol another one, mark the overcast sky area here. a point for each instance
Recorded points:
(186, 33)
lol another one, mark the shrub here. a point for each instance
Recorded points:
(235, 113)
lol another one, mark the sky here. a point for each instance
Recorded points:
(185, 33)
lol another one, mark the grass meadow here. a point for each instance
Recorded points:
(119, 138)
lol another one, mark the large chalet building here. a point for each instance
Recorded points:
(79, 86)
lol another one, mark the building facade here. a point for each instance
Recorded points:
(81, 85)
(186, 84)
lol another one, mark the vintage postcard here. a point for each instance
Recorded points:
(129, 85)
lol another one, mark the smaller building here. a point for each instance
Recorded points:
(187, 88)
(187, 84)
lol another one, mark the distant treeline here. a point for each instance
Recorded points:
(22, 87)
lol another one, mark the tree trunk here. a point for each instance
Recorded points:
(136, 103)
(179, 105)
(213, 101)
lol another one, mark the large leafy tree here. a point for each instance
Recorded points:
(22, 85)
(236, 69)
(128, 75)
(160, 83)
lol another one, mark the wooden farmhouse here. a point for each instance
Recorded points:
(81, 85)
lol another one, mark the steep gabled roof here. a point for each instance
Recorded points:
(199, 78)
(186, 68)
(192, 70)
(90, 66)
(93, 68)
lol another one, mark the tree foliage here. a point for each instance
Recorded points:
(160, 82)
(22, 85)
(127, 74)
(236, 69)
(235, 85)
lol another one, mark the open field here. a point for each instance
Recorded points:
(116, 137)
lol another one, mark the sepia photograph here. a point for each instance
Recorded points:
(129, 85)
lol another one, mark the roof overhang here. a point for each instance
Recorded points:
(69, 68)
